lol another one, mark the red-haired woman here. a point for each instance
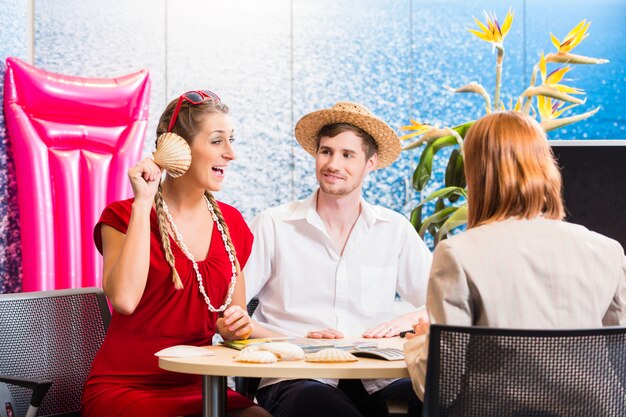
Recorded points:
(519, 265)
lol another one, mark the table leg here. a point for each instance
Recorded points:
(213, 396)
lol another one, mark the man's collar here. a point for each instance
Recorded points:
(303, 207)
(372, 214)
(306, 209)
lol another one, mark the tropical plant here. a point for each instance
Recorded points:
(545, 100)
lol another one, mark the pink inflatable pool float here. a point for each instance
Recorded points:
(73, 140)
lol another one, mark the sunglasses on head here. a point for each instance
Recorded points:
(193, 97)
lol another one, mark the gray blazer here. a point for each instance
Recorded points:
(532, 274)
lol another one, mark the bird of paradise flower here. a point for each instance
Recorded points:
(553, 99)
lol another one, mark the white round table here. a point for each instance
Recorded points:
(215, 369)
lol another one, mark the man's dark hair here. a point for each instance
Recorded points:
(367, 141)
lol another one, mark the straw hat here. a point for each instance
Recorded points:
(357, 115)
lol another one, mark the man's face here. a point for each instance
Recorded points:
(341, 164)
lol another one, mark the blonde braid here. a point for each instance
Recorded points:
(220, 218)
(165, 238)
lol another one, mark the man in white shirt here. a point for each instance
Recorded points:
(330, 266)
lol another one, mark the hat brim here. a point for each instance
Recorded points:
(387, 140)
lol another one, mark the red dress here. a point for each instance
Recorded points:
(125, 379)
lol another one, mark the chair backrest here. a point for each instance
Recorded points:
(484, 372)
(73, 140)
(252, 305)
(244, 385)
(52, 335)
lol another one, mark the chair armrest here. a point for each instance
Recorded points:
(39, 387)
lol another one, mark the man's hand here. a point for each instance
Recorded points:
(421, 328)
(389, 328)
(236, 324)
(325, 334)
(392, 328)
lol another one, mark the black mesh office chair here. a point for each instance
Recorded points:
(488, 372)
(51, 337)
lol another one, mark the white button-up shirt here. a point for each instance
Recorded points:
(304, 283)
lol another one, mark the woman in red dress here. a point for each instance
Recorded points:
(162, 296)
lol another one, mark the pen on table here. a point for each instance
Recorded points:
(403, 334)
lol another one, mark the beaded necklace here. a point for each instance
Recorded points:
(231, 257)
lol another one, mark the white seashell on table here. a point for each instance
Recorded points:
(256, 356)
(285, 351)
(331, 355)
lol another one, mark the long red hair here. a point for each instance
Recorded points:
(510, 170)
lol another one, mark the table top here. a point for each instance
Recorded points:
(223, 364)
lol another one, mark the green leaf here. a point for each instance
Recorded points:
(463, 128)
(455, 183)
(446, 192)
(443, 142)
(437, 217)
(455, 176)
(440, 205)
(423, 172)
(416, 217)
(432, 229)
(424, 169)
(421, 176)
(456, 219)
(451, 168)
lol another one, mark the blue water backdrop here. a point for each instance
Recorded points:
(276, 60)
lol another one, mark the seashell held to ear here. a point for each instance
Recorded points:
(172, 154)
(331, 355)
(256, 356)
(285, 351)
